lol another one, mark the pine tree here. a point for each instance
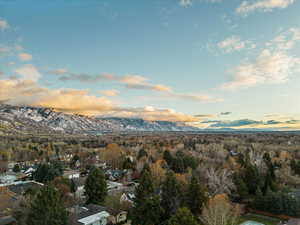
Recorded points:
(95, 187)
(241, 187)
(148, 213)
(145, 200)
(196, 196)
(258, 200)
(252, 178)
(47, 209)
(168, 158)
(183, 216)
(170, 198)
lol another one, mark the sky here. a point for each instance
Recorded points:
(209, 63)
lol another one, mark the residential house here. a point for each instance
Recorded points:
(127, 197)
(115, 175)
(21, 187)
(116, 216)
(71, 174)
(96, 215)
(8, 179)
(113, 185)
(293, 222)
(8, 220)
(79, 183)
(8, 200)
(11, 194)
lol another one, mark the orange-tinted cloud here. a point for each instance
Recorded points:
(110, 93)
(25, 56)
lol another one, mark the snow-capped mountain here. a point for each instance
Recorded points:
(35, 119)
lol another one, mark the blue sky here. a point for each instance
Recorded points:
(179, 60)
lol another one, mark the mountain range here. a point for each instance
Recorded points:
(46, 120)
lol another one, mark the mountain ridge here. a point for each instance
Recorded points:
(28, 118)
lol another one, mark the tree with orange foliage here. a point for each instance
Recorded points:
(113, 155)
(157, 172)
(220, 211)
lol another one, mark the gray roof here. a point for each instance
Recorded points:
(21, 188)
(294, 222)
(92, 209)
(79, 181)
(7, 220)
(89, 210)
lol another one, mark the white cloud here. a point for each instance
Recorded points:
(152, 113)
(270, 67)
(263, 5)
(28, 72)
(194, 97)
(6, 50)
(273, 65)
(25, 57)
(28, 92)
(110, 93)
(234, 43)
(60, 71)
(185, 3)
(285, 40)
(3, 24)
(137, 82)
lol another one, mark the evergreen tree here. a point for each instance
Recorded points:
(47, 209)
(170, 198)
(73, 186)
(16, 168)
(148, 213)
(252, 178)
(128, 164)
(168, 158)
(47, 172)
(95, 187)
(144, 198)
(74, 160)
(269, 183)
(183, 216)
(241, 187)
(142, 153)
(196, 196)
(258, 200)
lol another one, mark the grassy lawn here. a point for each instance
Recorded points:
(261, 219)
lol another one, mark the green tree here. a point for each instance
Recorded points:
(252, 178)
(46, 208)
(95, 187)
(149, 213)
(143, 195)
(128, 164)
(16, 168)
(142, 153)
(241, 187)
(196, 196)
(47, 172)
(170, 197)
(168, 157)
(183, 216)
(74, 160)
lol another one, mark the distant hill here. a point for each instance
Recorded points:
(37, 119)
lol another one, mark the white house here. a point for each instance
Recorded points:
(98, 215)
(71, 174)
(91, 215)
(127, 197)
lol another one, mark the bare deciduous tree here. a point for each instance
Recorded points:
(220, 211)
(219, 181)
